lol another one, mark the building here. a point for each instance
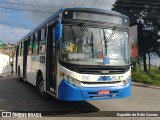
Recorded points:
(8, 50)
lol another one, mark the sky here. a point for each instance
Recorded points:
(18, 17)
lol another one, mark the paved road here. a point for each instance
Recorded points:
(15, 96)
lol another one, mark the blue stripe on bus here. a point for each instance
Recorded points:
(68, 92)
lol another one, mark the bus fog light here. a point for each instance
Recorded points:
(76, 82)
(125, 82)
(70, 80)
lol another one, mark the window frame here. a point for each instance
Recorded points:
(35, 39)
(42, 40)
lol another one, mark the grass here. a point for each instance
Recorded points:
(152, 77)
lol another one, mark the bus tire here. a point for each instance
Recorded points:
(40, 88)
(20, 79)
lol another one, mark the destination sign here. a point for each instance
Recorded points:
(97, 17)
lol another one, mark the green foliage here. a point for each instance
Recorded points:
(152, 77)
(135, 63)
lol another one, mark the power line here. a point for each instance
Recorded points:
(125, 1)
(28, 4)
(137, 11)
(136, 6)
(83, 2)
(131, 1)
(15, 25)
(134, 12)
(75, 3)
(38, 11)
(41, 4)
(94, 3)
(32, 4)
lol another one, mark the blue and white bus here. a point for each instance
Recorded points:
(77, 54)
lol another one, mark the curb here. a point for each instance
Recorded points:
(145, 85)
(3, 75)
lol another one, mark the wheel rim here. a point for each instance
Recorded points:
(41, 87)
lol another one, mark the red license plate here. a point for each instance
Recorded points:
(103, 92)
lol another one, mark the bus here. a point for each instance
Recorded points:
(77, 54)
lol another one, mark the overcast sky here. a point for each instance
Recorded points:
(18, 17)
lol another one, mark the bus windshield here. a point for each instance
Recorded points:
(87, 46)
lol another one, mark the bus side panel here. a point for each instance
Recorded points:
(30, 75)
(33, 67)
(29, 65)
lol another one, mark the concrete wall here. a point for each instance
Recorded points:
(4, 64)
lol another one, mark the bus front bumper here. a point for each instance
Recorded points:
(68, 92)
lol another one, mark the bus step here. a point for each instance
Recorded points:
(51, 93)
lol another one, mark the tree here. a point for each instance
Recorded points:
(145, 15)
(0, 43)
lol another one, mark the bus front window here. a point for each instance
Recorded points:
(81, 47)
(85, 46)
(117, 47)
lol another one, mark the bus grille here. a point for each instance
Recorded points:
(100, 70)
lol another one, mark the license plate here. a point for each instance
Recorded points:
(103, 92)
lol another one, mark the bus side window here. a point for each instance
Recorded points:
(53, 37)
(35, 43)
(19, 49)
(31, 43)
(22, 48)
(19, 52)
(42, 42)
(29, 46)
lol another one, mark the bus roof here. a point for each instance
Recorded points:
(74, 8)
(95, 10)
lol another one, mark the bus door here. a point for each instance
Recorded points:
(25, 59)
(51, 61)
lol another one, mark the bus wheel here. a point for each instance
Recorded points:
(19, 76)
(40, 88)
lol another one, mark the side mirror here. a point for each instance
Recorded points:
(58, 32)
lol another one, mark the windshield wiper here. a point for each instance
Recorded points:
(88, 35)
(107, 39)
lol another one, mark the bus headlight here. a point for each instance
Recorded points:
(125, 82)
(72, 80)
